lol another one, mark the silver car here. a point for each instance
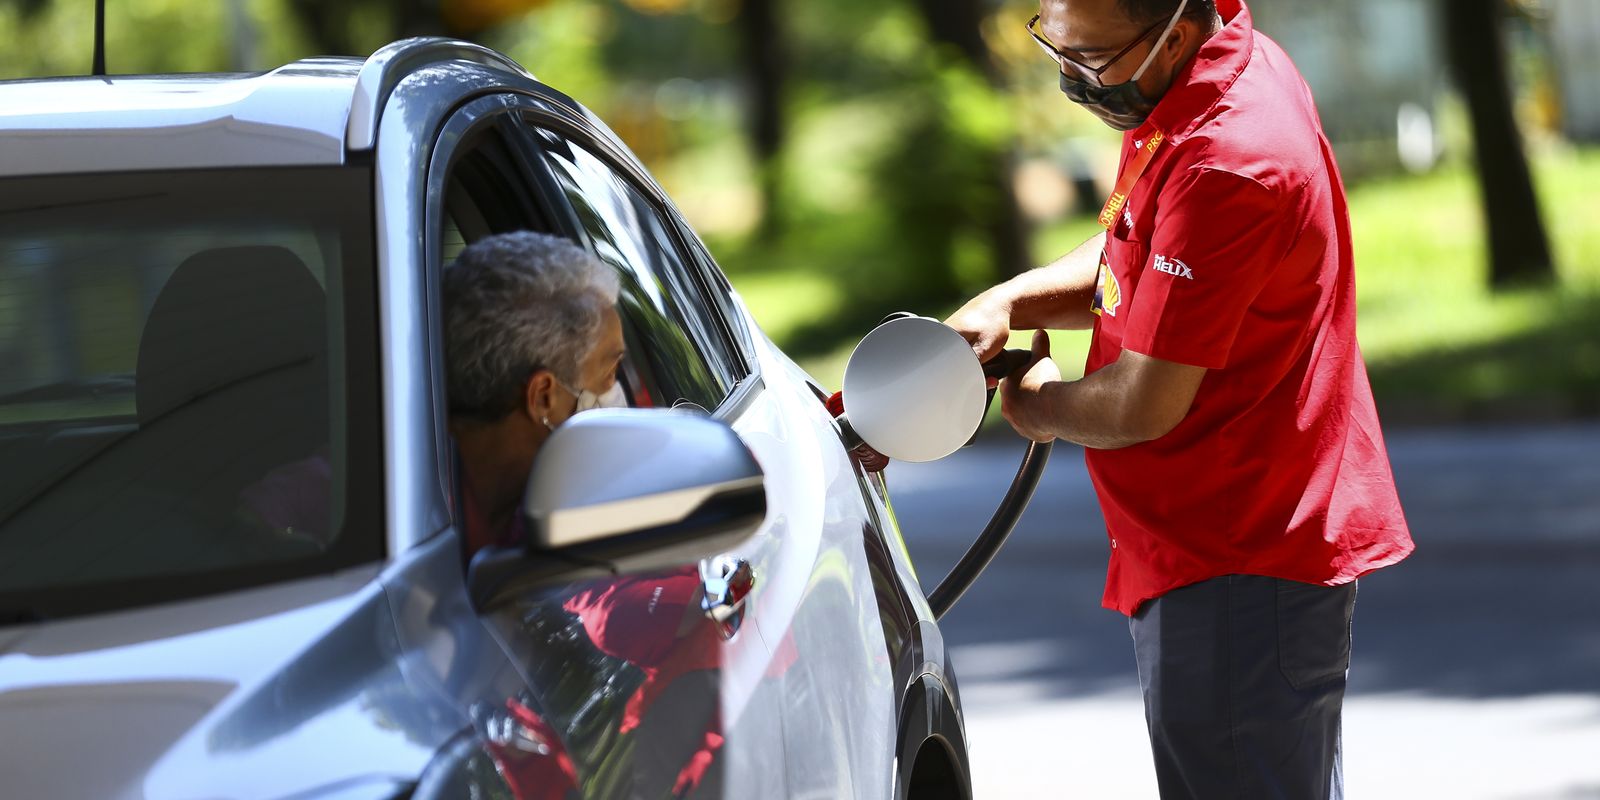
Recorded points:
(230, 555)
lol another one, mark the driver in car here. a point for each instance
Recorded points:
(532, 337)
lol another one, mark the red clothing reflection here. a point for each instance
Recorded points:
(537, 767)
(655, 623)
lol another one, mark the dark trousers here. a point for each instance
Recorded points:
(1243, 680)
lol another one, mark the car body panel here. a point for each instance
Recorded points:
(295, 115)
(923, 673)
(415, 503)
(384, 69)
(841, 690)
(211, 697)
(588, 724)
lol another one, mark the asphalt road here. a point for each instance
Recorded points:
(1476, 665)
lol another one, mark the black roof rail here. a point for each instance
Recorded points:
(384, 70)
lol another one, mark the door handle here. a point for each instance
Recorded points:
(727, 581)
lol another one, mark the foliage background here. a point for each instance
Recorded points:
(848, 159)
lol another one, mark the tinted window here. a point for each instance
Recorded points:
(187, 384)
(684, 348)
(485, 191)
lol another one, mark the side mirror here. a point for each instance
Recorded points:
(627, 490)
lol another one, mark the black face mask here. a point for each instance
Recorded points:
(1123, 106)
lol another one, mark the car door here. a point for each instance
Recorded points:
(849, 632)
(815, 602)
(680, 356)
(628, 686)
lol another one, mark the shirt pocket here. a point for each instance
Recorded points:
(1127, 250)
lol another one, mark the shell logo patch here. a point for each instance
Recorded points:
(1107, 292)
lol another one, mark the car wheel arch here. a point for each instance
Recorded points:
(931, 728)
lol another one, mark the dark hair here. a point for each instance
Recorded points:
(1148, 12)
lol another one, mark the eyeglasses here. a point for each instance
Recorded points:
(1084, 70)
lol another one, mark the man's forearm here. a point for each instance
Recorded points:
(1090, 412)
(1133, 400)
(1055, 296)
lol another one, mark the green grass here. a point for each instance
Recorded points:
(1421, 263)
(1440, 345)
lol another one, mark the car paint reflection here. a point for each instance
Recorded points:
(629, 674)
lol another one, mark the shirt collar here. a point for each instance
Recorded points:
(1202, 82)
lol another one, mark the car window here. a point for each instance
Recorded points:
(484, 190)
(675, 337)
(187, 384)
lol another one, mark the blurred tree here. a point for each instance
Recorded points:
(56, 37)
(957, 25)
(946, 201)
(351, 27)
(470, 17)
(357, 27)
(1519, 250)
(764, 54)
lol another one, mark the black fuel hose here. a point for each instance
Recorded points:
(966, 571)
(988, 544)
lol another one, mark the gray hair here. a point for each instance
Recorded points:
(515, 303)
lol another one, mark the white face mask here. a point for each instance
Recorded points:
(612, 398)
(587, 400)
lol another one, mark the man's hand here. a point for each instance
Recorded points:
(1022, 401)
(985, 323)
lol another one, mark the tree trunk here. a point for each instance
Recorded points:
(326, 23)
(331, 24)
(765, 57)
(1519, 251)
(423, 18)
(957, 23)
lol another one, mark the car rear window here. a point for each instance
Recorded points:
(188, 396)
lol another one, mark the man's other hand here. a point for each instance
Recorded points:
(1022, 399)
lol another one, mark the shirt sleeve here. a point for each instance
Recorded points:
(1217, 238)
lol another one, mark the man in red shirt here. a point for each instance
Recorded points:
(1228, 423)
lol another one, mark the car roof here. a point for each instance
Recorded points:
(295, 114)
(314, 111)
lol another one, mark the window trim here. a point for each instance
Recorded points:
(719, 285)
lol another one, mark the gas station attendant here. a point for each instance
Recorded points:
(1225, 412)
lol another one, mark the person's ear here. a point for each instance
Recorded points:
(1186, 36)
(539, 397)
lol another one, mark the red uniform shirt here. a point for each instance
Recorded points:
(1233, 254)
